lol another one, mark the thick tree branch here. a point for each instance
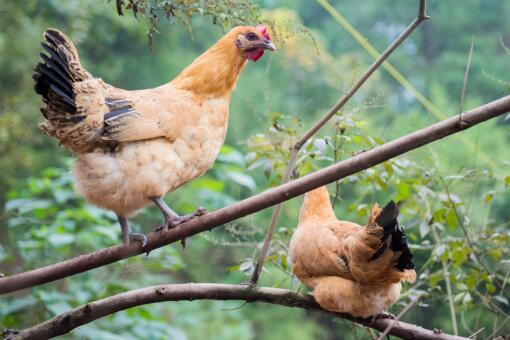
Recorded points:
(323, 120)
(89, 312)
(258, 202)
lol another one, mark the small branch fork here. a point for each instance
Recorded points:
(392, 323)
(320, 123)
(89, 312)
(157, 239)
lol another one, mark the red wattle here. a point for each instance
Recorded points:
(255, 54)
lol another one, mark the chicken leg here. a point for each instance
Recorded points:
(171, 218)
(128, 235)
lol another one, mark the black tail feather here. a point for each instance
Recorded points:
(399, 243)
(63, 74)
(387, 219)
(57, 58)
(53, 79)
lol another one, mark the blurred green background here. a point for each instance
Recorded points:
(451, 191)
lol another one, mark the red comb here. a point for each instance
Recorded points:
(263, 30)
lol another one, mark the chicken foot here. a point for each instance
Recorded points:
(171, 217)
(128, 235)
(382, 315)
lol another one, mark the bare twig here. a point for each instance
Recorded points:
(448, 283)
(258, 202)
(465, 232)
(119, 4)
(89, 312)
(464, 83)
(398, 317)
(496, 330)
(472, 336)
(323, 120)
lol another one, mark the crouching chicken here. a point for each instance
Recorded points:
(351, 268)
(133, 147)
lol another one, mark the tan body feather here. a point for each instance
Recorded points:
(133, 145)
(333, 258)
(124, 181)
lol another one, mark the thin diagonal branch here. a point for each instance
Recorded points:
(400, 78)
(466, 75)
(323, 120)
(448, 283)
(460, 223)
(392, 323)
(89, 312)
(157, 239)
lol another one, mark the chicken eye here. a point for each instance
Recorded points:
(251, 36)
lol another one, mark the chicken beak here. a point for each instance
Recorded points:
(267, 45)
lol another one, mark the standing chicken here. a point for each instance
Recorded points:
(351, 269)
(133, 147)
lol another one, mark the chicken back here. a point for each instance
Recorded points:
(133, 147)
(351, 268)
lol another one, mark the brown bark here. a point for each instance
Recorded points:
(89, 312)
(261, 201)
(422, 15)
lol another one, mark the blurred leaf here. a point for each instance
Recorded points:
(496, 253)
(230, 155)
(208, 183)
(489, 195)
(58, 308)
(490, 288)
(242, 179)
(502, 299)
(451, 219)
(60, 239)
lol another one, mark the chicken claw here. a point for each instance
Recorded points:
(128, 235)
(382, 315)
(138, 237)
(173, 221)
(171, 218)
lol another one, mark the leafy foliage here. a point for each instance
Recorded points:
(453, 207)
(224, 13)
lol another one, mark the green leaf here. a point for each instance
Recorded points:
(489, 195)
(490, 288)
(58, 240)
(209, 183)
(434, 279)
(451, 219)
(246, 266)
(507, 180)
(424, 228)
(242, 179)
(234, 268)
(230, 155)
(439, 215)
(440, 251)
(496, 253)
(403, 190)
(459, 256)
(381, 182)
(58, 308)
(471, 280)
(467, 299)
(501, 299)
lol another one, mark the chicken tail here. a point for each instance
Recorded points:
(316, 205)
(56, 77)
(387, 220)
